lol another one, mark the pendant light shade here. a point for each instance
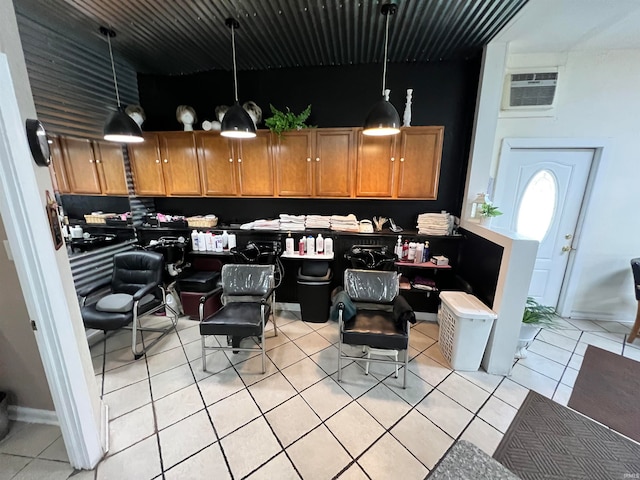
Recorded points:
(236, 123)
(119, 126)
(383, 118)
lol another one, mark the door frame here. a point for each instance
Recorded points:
(602, 151)
(27, 228)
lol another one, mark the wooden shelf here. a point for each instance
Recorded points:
(423, 265)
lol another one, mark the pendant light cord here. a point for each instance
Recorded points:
(233, 50)
(386, 44)
(113, 69)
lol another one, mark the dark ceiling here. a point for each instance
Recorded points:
(186, 36)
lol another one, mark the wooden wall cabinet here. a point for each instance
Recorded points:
(314, 162)
(235, 167)
(84, 167)
(401, 166)
(166, 164)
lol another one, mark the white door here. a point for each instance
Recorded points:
(541, 193)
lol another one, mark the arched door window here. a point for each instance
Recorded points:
(538, 206)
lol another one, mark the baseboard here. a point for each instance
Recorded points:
(293, 307)
(32, 415)
(603, 316)
(426, 316)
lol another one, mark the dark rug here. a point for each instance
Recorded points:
(549, 441)
(608, 390)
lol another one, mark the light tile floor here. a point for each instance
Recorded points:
(169, 419)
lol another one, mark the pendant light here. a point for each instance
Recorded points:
(119, 127)
(383, 118)
(236, 123)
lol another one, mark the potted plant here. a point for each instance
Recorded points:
(285, 121)
(487, 211)
(535, 317)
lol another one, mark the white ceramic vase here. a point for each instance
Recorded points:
(527, 334)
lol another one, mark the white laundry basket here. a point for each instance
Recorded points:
(465, 325)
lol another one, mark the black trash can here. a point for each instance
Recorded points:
(314, 289)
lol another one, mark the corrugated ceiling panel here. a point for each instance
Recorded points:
(72, 83)
(178, 37)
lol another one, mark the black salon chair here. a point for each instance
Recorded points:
(247, 297)
(635, 268)
(136, 290)
(378, 317)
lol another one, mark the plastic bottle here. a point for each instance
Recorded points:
(425, 253)
(208, 238)
(328, 246)
(319, 244)
(398, 249)
(217, 243)
(405, 250)
(289, 244)
(311, 245)
(202, 242)
(232, 241)
(194, 241)
(225, 239)
(412, 252)
(419, 252)
(301, 246)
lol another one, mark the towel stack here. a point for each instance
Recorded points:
(292, 222)
(318, 221)
(434, 224)
(348, 223)
(266, 225)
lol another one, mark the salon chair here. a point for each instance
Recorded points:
(381, 319)
(247, 297)
(136, 290)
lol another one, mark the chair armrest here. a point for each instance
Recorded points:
(210, 294)
(92, 287)
(148, 288)
(402, 312)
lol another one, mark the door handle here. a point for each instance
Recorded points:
(567, 248)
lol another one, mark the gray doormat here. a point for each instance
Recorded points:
(549, 441)
(607, 390)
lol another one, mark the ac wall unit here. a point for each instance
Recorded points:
(530, 90)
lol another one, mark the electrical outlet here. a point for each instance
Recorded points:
(7, 247)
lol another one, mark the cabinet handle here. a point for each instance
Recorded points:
(308, 159)
(91, 160)
(402, 159)
(97, 161)
(231, 160)
(166, 161)
(157, 161)
(239, 160)
(317, 159)
(393, 159)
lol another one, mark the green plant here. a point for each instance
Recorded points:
(284, 121)
(540, 315)
(489, 210)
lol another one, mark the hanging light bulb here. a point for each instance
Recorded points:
(383, 118)
(236, 123)
(119, 126)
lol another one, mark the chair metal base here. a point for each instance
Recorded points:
(136, 327)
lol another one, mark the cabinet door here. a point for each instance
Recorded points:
(56, 167)
(180, 163)
(80, 166)
(217, 164)
(375, 171)
(420, 152)
(255, 172)
(146, 166)
(333, 162)
(110, 163)
(292, 153)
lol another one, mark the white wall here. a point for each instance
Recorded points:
(598, 97)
